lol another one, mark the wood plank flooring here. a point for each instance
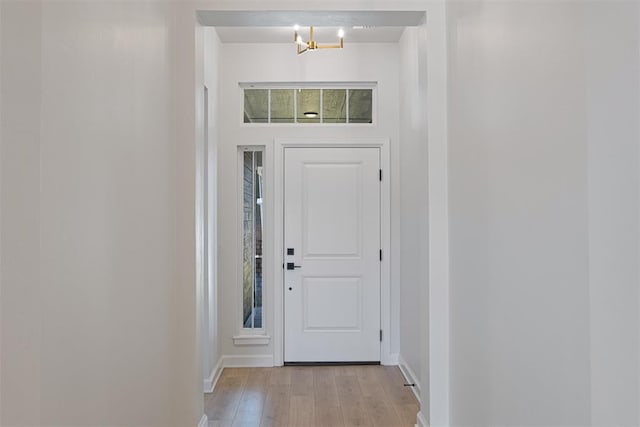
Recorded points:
(311, 396)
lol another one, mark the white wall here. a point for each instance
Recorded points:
(97, 215)
(612, 78)
(274, 62)
(544, 213)
(21, 302)
(211, 80)
(186, 320)
(414, 271)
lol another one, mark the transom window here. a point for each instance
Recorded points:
(312, 103)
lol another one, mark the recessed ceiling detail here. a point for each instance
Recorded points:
(321, 34)
(284, 18)
(275, 26)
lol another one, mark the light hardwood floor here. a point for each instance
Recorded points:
(311, 396)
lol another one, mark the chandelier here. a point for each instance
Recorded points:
(310, 45)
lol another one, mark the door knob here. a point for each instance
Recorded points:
(291, 266)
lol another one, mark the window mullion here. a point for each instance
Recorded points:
(346, 106)
(321, 107)
(269, 106)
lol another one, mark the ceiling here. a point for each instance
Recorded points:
(277, 26)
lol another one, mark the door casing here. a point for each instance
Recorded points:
(280, 144)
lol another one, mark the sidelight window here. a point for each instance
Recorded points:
(252, 179)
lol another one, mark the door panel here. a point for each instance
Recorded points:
(332, 223)
(342, 294)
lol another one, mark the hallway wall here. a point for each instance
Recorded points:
(21, 303)
(544, 212)
(612, 61)
(97, 259)
(211, 78)
(414, 271)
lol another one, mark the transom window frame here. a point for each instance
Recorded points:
(309, 85)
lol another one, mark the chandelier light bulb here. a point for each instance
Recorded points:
(341, 33)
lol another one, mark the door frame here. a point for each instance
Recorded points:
(280, 144)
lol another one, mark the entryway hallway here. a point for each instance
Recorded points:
(311, 396)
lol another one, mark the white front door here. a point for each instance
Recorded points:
(332, 237)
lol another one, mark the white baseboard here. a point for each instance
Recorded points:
(210, 382)
(421, 421)
(410, 376)
(204, 421)
(252, 361)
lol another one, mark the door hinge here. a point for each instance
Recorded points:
(380, 335)
(380, 176)
(380, 254)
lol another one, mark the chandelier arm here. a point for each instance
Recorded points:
(329, 46)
